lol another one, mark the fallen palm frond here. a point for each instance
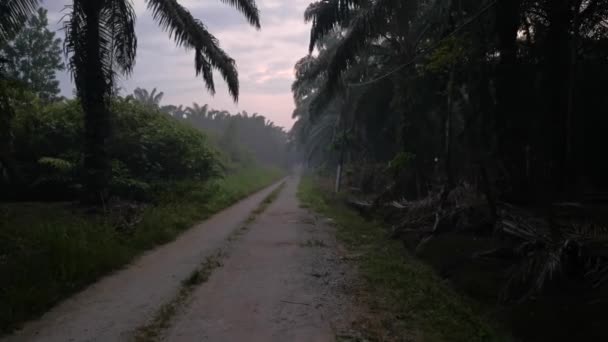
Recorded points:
(548, 252)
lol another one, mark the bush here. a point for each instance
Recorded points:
(147, 147)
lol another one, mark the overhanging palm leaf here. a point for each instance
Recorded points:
(367, 25)
(327, 15)
(14, 14)
(120, 18)
(191, 33)
(248, 8)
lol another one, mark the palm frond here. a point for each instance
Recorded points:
(14, 14)
(119, 19)
(367, 25)
(157, 97)
(192, 34)
(248, 8)
(548, 252)
(327, 15)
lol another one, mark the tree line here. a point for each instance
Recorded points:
(511, 89)
(242, 136)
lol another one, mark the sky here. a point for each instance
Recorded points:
(265, 58)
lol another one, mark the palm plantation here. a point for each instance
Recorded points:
(424, 102)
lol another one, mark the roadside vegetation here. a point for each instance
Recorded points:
(51, 250)
(89, 183)
(408, 300)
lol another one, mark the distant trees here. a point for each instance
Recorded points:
(33, 57)
(150, 99)
(241, 137)
(198, 111)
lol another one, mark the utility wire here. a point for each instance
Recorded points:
(433, 47)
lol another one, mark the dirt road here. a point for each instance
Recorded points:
(278, 282)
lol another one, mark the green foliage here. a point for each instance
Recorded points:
(57, 164)
(147, 147)
(411, 300)
(401, 161)
(53, 250)
(447, 55)
(33, 57)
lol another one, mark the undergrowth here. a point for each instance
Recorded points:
(413, 303)
(49, 251)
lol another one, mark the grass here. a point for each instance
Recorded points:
(161, 321)
(313, 243)
(49, 251)
(265, 203)
(412, 302)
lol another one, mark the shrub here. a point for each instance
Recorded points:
(147, 147)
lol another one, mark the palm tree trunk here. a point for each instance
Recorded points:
(569, 158)
(556, 79)
(449, 172)
(93, 91)
(510, 140)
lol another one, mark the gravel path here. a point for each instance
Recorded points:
(112, 308)
(282, 280)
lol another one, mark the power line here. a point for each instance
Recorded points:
(433, 47)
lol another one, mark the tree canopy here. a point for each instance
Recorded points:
(34, 56)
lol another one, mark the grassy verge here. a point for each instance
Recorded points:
(48, 251)
(412, 302)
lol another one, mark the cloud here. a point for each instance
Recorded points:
(265, 58)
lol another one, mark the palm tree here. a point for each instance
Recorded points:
(198, 111)
(101, 42)
(150, 99)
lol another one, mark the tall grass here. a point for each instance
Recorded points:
(48, 251)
